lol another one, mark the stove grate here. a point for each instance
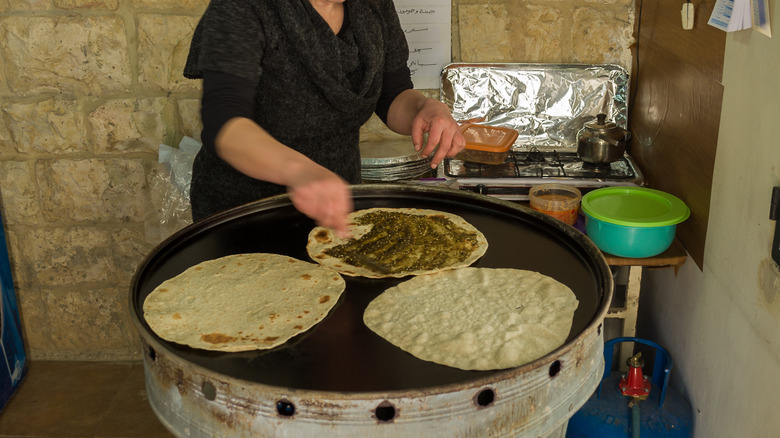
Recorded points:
(535, 163)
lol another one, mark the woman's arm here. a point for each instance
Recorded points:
(228, 103)
(314, 190)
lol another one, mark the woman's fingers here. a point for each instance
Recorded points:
(326, 198)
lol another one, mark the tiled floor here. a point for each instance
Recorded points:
(81, 399)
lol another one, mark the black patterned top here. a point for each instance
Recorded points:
(313, 89)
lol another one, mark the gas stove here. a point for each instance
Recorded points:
(547, 104)
(524, 169)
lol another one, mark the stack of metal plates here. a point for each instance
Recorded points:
(392, 160)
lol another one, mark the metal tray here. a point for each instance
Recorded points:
(341, 353)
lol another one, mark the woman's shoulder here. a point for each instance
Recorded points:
(250, 8)
(381, 7)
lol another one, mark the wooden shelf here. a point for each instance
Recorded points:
(674, 258)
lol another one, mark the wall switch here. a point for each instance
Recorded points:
(776, 244)
(687, 15)
(774, 204)
(774, 213)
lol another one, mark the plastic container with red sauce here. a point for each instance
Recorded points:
(486, 144)
(560, 201)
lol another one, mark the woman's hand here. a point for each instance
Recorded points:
(323, 196)
(443, 131)
(411, 113)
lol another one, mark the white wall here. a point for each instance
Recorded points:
(722, 324)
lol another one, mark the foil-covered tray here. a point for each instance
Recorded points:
(546, 103)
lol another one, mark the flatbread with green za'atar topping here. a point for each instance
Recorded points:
(242, 302)
(396, 242)
(475, 318)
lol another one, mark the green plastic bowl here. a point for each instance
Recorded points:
(633, 222)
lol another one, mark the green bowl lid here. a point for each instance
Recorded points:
(634, 207)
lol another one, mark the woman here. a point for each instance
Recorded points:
(286, 86)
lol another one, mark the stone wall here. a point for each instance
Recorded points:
(90, 88)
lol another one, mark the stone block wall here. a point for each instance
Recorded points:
(89, 89)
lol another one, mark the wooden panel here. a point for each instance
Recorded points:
(674, 113)
(674, 256)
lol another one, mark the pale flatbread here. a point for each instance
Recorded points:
(396, 242)
(475, 318)
(242, 302)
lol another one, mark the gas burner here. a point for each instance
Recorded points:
(597, 168)
(534, 155)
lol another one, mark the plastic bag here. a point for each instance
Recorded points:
(170, 190)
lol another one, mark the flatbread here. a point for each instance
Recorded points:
(242, 302)
(475, 318)
(396, 242)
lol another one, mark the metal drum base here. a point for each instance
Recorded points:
(194, 402)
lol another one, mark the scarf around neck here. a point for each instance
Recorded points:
(319, 54)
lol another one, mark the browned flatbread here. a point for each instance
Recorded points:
(396, 242)
(242, 302)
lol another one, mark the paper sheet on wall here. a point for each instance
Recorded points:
(427, 25)
(734, 15)
(761, 17)
(730, 15)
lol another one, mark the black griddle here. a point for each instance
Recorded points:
(341, 353)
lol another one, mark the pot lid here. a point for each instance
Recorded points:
(601, 123)
(634, 207)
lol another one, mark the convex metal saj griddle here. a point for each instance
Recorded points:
(340, 358)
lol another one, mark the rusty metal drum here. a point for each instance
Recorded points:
(340, 379)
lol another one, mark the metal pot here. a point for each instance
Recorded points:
(601, 142)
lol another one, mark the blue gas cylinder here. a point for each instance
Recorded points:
(606, 414)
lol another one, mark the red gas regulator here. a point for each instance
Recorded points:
(635, 384)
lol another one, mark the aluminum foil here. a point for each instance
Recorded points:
(546, 103)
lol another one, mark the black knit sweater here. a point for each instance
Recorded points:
(313, 89)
